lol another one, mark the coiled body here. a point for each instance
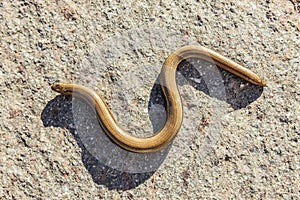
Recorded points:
(170, 90)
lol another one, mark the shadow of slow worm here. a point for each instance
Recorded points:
(96, 146)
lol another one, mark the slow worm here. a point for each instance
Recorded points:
(169, 87)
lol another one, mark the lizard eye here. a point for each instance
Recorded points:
(57, 88)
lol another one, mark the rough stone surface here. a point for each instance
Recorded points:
(250, 150)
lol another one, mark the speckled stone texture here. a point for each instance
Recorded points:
(250, 150)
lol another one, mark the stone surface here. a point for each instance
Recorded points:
(243, 142)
